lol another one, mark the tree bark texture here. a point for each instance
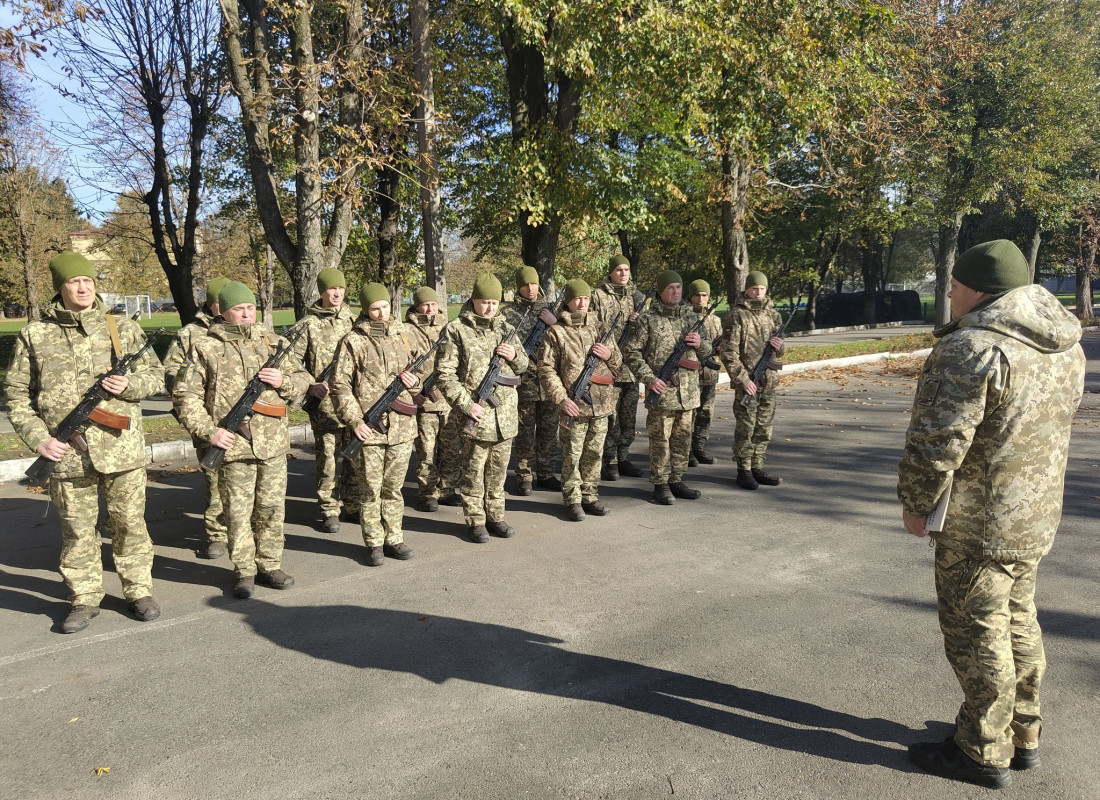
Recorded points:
(431, 226)
(1089, 239)
(389, 181)
(736, 177)
(947, 248)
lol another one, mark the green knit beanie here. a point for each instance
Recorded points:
(698, 287)
(372, 293)
(213, 289)
(330, 278)
(526, 275)
(574, 289)
(756, 278)
(993, 267)
(68, 265)
(233, 294)
(667, 277)
(425, 294)
(615, 262)
(487, 287)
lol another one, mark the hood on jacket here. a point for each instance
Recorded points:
(1029, 314)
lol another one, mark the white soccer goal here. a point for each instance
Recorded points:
(138, 302)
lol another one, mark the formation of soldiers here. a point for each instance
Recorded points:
(523, 378)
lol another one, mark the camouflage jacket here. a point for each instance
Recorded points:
(993, 409)
(423, 331)
(745, 332)
(324, 328)
(713, 326)
(367, 361)
(177, 352)
(462, 362)
(55, 361)
(210, 382)
(658, 331)
(530, 390)
(565, 348)
(608, 300)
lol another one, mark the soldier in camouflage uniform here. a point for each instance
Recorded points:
(565, 349)
(537, 440)
(424, 324)
(619, 296)
(366, 361)
(748, 327)
(327, 322)
(54, 362)
(177, 353)
(990, 426)
(699, 297)
(479, 335)
(253, 474)
(669, 423)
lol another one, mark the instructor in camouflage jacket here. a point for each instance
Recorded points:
(253, 474)
(991, 426)
(54, 362)
(327, 322)
(669, 423)
(479, 335)
(565, 350)
(216, 538)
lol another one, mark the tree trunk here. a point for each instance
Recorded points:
(946, 251)
(1033, 249)
(736, 175)
(389, 181)
(431, 227)
(263, 261)
(827, 248)
(630, 248)
(871, 269)
(1088, 244)
(29, 289)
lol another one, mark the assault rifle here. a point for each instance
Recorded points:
(71, 428)
(545, 319)
(676, 358)
(767, 358)
(236, 421)
(312, 403)
(376, 415)
(628, 328)
(580, 389)
(484, 395)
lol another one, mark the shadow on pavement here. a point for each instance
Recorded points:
(440, 649)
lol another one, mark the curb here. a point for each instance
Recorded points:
(12, 471)
(850, 361)
(820, 331)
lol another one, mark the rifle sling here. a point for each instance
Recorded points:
(269, 409)
(108, 419)
(112, 328)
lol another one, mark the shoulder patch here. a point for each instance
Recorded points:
(929, 389)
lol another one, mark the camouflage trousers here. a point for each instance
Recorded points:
(333, 484)
(381, 506)
(994, 644)
(484, 468)
(536, 444)
(214, 518)
(703, 416)
(753, 430)
(429, 452)
(449, 449)
(77, 501)
(581, 459)
(254, 498)
(621, 424)
(669, 444)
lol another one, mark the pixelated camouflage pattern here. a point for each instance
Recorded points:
(995, 647)
(449, 452)
(216, 373)
(535, 446)
(581, 459)
(429, 425)
(994, 408)
(254, 498)
(712, 324)
(324, 328)
(381, 506)
(606, 301)
(54, 362)
(565, 348)
(181, 346)
(623, 425)
(753, 427)
(657, 333)
(423, 331)
(367, 361)
(213, 517)
(336, 480)
(704, 415)
(529, 388)
(746, 330)
(462, 362)
(77, 502)
(669, 444)
(481, 487)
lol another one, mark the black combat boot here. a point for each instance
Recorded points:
(551, 484)
(629, 470)
(80, 616)
(500, 528)
(948, 761)
(575, 513)
(745, 480)
(692, 460)
(702, 456)
(663, 495)
(610, 471)
(478, 534)
(683, 491)
(765, 478)
(596, 508)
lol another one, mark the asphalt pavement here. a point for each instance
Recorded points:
(781, 643)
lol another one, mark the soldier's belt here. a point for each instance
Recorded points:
(508, 380)
(688, 363)
(269, 409)
(401, 407)
(602, 380)
(109, 420)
